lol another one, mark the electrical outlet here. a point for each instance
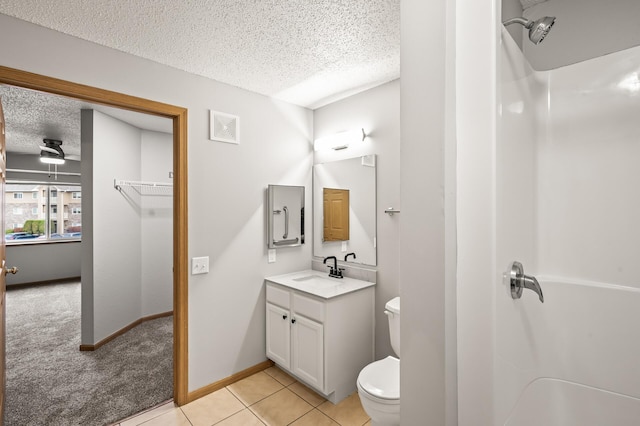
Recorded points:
(344, 246)
(200, 265)
(272, 255)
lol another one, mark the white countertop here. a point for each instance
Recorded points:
(319, 283)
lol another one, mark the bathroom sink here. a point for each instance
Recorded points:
(305, 278)
(316, 281)
(319, 283)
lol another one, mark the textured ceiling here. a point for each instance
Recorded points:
(32, 116)
(307, 52)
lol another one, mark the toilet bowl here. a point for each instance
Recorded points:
(379, 382)
(379, 391)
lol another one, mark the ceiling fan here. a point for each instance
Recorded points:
(51, 152)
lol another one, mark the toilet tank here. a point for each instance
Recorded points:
(392, 310)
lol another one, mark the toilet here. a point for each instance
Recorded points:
(379, 382)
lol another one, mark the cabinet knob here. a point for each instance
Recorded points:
(293, 320)
(284, 317)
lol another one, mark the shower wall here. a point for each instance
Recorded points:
(566, 178)
(588, 176)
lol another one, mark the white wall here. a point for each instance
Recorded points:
(157, 225)
(425, 96)
(476, 38)
(43, 262)
(116, 232)
(377, 111)
(587, 174)
(131, 236)
(274, 148)
(584, 29)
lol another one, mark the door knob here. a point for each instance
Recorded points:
(13, 270)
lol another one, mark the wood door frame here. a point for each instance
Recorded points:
(95, 95)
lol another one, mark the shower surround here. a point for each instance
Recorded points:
(567, 208)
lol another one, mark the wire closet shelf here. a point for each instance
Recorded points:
(145, 188)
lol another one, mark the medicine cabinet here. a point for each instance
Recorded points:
(285, 216)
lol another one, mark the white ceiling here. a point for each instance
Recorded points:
(306, 52)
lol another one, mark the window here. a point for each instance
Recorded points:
(44, 216)
(76, 195)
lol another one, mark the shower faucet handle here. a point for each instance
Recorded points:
(518, 281)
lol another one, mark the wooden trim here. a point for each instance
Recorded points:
(206, 390)
(180, 262)
(56, 86)
(82, 92)
(124, 330)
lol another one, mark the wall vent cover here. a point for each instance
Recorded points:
(224, 127)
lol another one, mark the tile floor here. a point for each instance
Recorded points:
(270, 397)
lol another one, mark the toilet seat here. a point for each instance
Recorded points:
(380, 381)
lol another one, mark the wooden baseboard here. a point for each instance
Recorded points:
(206, 390)
(46, 282)
(124, 330)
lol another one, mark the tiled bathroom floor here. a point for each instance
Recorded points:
(270, 397)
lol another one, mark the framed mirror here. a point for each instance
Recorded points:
(344, 209)
(285, 216)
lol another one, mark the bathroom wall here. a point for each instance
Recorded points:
(376, 110)
(475, 117)
(513, 9)
(427, 241)
(584, 29)
(227, 184)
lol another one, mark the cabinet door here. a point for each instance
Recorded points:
(308, 351)
(278, 335)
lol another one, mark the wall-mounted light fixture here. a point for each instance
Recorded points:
(340, 140)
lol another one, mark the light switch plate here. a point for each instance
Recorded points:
(272, 255)
(344, 246)
(200, 265)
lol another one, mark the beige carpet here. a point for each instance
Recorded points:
(50, 382)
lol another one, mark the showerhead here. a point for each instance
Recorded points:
(538, 29)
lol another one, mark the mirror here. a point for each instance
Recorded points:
(344, 209)
(285, 216)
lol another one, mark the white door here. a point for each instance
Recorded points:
(278, 335)
(308, 351)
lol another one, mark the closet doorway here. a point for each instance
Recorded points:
(178, 116)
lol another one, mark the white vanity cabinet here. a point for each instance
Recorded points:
(323, 342)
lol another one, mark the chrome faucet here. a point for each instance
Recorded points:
(334, 272)
(519, 281)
